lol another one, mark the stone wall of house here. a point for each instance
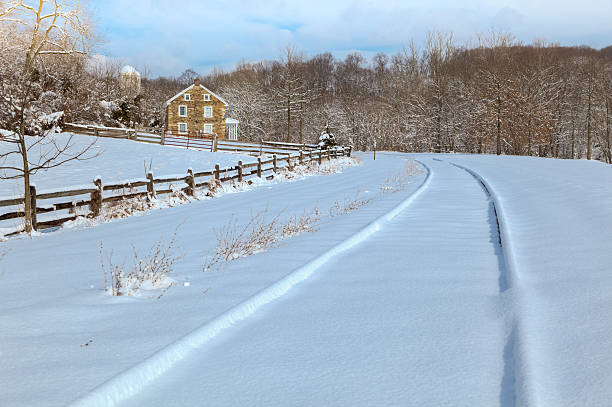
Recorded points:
(195, 119)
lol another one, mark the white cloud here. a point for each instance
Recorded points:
(168, 37)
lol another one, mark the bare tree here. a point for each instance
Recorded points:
(33, 32)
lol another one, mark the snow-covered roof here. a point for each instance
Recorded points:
(191, 87)
(231, 121)
(129, 70)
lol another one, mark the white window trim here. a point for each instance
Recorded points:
(211, 112)
(179, 128)
(187, 97)
(211, 128)
(207, 97)
(179, 111)
(233, 133)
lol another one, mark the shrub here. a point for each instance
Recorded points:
(257, 235)
(151, 271)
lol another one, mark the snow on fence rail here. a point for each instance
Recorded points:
(270, 147)
(112, 132)
(93, 196)
(198, 141)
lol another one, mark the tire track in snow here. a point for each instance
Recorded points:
(133, 380)
(515, 387)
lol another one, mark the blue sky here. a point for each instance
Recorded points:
(167, 37)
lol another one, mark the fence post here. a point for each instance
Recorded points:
(150, 185)
(162, 138)
(320, 154)
(259, 166)
(239, 171)
(33, 205)
(350, 150)
(217, 172)
(301, 157)
(190, 181)
(309, 155)
(274, 163)
(95, 202)
(214, 144)
(260, 146)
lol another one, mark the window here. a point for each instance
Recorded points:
(207, 111)
(187, 97)
(183, 111)
(207, 97)
(233, 132)
(208, 128)
(182, 128)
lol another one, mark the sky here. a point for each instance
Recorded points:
(166, 37)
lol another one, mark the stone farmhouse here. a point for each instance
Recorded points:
(198, 112)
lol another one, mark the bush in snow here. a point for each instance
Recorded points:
(296, 225)
(326, 140)
(398, 181)
(148, 272)
(259, 234)
(348, 205)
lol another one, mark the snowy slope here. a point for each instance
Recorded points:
(491, 285)
(558, 221)
(52, 302)
(404, 318)
(117, 160)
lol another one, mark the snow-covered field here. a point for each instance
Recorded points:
(116, 160)
(483, 283)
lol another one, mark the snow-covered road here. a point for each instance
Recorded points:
(413, 316)
(426, 308)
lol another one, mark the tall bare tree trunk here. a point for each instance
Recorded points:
(289, 115)
(589, 119)
(498, 124)
(608, 141)
(529, 145)
(27, 205)
(573, 139)
(301, 122)
(438, 144)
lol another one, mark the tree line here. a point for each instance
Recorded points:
(498, 96)
(492, 95)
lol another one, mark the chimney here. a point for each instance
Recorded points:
(196, 81)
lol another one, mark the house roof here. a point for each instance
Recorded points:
(190, 87)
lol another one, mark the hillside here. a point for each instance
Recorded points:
(482, 281)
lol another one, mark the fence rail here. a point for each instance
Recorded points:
(199, 142)
(94, 197)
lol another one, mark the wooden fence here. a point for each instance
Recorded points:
(263, 147)
(112, 132)
(94, 197)
(197, 141)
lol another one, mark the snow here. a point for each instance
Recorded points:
(119, 160)
(129, 70)
(484, 281)
(51, 118)
(47, 308)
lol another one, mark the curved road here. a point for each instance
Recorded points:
(414, 316)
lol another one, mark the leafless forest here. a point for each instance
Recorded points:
(494, 95)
